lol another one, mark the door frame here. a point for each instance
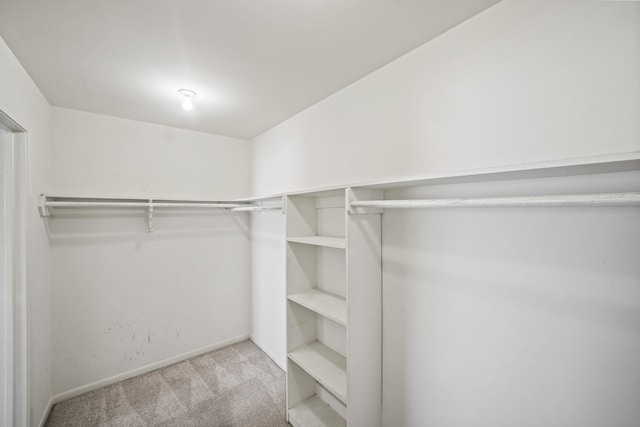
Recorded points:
(14, 307)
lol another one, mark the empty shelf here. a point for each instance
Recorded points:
(327, 305)
(315, 412)
(325, 365)
(329, 242)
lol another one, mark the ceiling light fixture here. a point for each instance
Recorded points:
(187, 94)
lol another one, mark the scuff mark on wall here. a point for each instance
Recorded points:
(137, 347)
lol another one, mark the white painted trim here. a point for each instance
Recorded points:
(22, 360)
(17, 354)
(144, 369)
(7, 284)
(45, 414)
(281, 364)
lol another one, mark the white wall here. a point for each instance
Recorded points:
(268, 285)
(512, 317)
(524, 81)
(126, 300)
(23, 102)
(495, 317)
(102, 155)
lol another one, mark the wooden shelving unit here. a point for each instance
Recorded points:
(325, 304)
(326, 241)
(315, 412)
(333, 311)
(328, 367)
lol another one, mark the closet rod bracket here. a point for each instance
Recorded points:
(43, 209)
(150, 217)
(356, 194)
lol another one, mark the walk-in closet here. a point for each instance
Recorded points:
(417, 213)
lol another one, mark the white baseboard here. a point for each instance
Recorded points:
(276, 360)
(47, 410)
(143, 370)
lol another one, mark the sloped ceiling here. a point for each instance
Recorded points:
(252, 63)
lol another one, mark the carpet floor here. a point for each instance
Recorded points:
(238, 385)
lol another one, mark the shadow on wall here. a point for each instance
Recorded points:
(492, 305)
(577, 303)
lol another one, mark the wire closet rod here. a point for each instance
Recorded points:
(47, 203)
(255, 208)
(599, 199)
(95, 204)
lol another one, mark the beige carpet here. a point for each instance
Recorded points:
(235, 386)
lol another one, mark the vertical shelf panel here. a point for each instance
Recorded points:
(364, 313)
(334, 343)
(316, 309)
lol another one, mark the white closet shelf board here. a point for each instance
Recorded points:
(549, 169)
(141, 198)
(325, 304)
(619, 162)
(325, 241)
(46, 202)
(314, 412)
(325, 366)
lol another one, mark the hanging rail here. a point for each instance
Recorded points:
(255, 208)
(601, 199)
(99, 204)
(46, 204)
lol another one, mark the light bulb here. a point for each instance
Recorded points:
(187, 94)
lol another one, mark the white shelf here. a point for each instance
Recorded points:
(324, 328)
(329, 242)
(315, 412)
(323, 303)
(325, 365)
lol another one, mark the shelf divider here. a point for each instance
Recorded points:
(325, 365)
(326, 241)
(325, 304)
(315, 412)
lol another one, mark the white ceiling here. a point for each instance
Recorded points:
(253, 63)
